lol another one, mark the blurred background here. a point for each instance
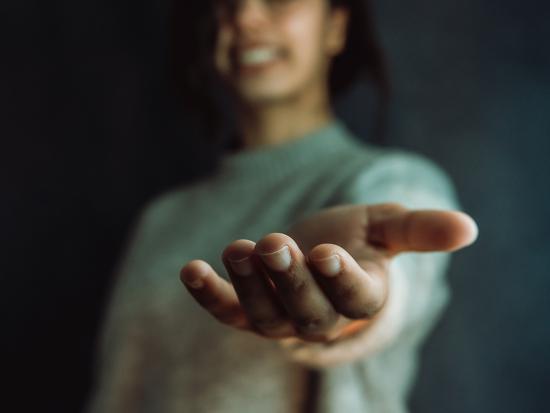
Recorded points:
(89, 133)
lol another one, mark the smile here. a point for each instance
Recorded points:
(257, 56)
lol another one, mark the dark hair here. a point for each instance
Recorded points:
(193, 33)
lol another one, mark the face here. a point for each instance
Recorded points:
(273, 50)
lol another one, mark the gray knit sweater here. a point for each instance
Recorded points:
(161, 353)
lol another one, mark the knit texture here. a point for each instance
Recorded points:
(160, 352)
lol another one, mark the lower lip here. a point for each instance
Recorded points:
(255, 69)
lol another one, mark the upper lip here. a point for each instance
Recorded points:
(242, 47)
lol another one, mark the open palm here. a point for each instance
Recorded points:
(328, 276)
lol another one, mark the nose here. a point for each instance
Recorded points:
(250, 14)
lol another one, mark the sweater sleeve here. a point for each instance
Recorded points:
(418, 290)
(125, 347)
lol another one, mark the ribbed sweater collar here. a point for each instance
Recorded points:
(269, 162)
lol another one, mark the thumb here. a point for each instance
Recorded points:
(398, 229)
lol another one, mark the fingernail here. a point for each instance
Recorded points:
(194, 279)
(278, 260)
(242, 267)
(329, 266)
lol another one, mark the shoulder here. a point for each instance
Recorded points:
(160, 210)
(397, 175)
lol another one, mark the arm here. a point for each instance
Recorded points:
(418, 291)
(282, 287)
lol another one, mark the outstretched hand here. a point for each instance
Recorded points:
(328, 276)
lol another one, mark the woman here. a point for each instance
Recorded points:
(310, 224)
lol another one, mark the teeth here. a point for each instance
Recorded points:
(256, 56)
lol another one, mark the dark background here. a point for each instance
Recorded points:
(89, 134)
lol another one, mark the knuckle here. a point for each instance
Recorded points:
(296, 283)
(266, 324)
(345, 293)
(315, 326)
(273, 327)
(210, 303)
(358, 311)
(308, 325)
(353, 302)
(292, 285)
(228, 316)
(248, 301)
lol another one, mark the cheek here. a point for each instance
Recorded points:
(304, 39)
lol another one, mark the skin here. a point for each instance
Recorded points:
(305, 299)
(290, 98)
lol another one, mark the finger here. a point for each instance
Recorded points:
(355, 290)
(255, 292)
(213, 293)
(398, 229)
(310, 311)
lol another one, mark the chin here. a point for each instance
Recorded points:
(265, 94)
(263, 99)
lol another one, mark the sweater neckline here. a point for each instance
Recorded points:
(281, 159)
